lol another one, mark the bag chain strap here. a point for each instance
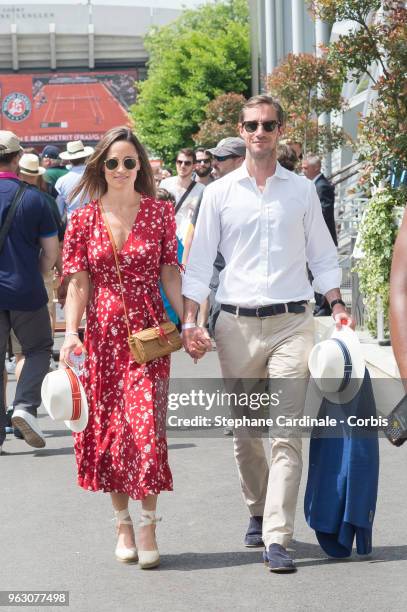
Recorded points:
(147, 301)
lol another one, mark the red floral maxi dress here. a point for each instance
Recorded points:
(123, 448)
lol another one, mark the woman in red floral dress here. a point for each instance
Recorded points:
(123, 449)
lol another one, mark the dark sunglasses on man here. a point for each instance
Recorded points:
(128, 162)
(268, 126)
(206, 161)
(222, 158)
(184, 162)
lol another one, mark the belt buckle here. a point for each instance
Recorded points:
(257, 312)
(286, 308)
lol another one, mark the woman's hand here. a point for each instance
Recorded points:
(71, 343)
(196, 342)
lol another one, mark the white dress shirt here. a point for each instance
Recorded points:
(266, 239)
(186, 212)
(64, 186)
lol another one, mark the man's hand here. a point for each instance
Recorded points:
(342, 317)
(196, 342)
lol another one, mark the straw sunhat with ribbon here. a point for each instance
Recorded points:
(64, 398)
(337, 365)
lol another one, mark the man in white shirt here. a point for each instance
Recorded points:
(267, 223)
(76, 154)
(186, 191)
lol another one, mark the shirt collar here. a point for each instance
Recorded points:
(317, 177)
(281, 173)
(8, 175)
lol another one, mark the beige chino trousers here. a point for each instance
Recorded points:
(276, 347)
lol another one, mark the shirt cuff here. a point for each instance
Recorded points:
(194, 289)
(327, 280)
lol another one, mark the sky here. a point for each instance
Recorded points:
(152, 3)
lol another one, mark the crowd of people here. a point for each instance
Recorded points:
(255, 239)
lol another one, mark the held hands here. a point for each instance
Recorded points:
(196, 342)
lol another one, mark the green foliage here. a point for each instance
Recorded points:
(341, 10)
(375, 43)
(307, 86)
(377, 47)
(221, 119)
(377, 235)
(201, 55)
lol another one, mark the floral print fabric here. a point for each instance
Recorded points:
(123, 448)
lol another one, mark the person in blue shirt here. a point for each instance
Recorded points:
(30, 249)
(163, 194)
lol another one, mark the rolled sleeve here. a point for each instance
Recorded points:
(320, 248)
(199, 268)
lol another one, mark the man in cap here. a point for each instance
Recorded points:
(54, 166)
(228, 155)
(267, 223)
(28, 249)
(30, 171)
(76, 154)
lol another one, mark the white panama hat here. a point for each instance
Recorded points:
(75, 150)
(64, 398)
(29, 164)
(337, 365)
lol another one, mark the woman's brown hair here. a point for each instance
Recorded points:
(93, 182)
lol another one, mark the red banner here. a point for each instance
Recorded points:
(65, 106)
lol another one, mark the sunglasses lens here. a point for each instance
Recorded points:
(111, 164)
(250, 126)
(269, 126)
(130, 163)
(182, 162)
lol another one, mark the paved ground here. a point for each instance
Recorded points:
(57, 536)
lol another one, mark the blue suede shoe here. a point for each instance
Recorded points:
(253, 535)
(278, 559)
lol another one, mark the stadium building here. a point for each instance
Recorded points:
(67, 71)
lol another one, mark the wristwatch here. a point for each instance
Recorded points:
(338, 301)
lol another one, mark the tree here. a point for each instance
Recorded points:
(201, 55)
(307, 86)
(221, 119)
(376, 47)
